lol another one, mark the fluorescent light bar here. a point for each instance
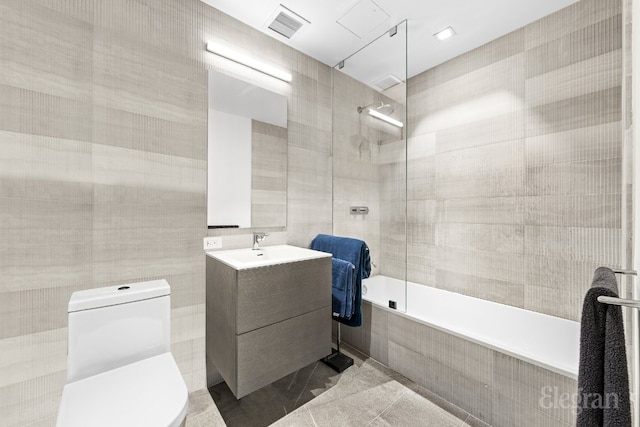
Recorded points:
(444, 34)
(247, 61)
(378, 115)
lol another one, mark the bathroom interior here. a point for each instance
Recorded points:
(506, 177)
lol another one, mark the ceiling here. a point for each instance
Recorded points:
(336, 29)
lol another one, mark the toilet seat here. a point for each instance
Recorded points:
(146, 393)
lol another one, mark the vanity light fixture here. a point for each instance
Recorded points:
(378, 115)
(247, 61)
(445, 34)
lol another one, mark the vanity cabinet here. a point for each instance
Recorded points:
(265, 322)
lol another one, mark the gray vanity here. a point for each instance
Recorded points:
(268, 313)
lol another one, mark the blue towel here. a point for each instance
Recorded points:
(357, 253)
(603, 382)
(343, 277)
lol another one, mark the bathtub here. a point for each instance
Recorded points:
(549, 342)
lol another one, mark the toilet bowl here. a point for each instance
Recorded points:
(120, 371)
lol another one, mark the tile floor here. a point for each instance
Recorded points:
(366, 394)
(269, 404)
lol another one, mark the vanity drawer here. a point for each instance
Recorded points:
(267, 354)
(274, 293)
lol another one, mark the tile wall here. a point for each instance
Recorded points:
(103, 134)
(515, 163)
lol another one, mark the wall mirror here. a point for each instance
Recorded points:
(247, 155)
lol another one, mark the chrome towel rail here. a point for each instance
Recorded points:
(635, 342)
(619, 301)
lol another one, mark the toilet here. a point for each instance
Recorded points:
(120, 371)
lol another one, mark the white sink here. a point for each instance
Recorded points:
(241, 259)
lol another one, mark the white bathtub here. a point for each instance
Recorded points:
(546, 341)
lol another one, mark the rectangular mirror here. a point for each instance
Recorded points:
(247, 155)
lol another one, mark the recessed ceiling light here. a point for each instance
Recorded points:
(444, 34)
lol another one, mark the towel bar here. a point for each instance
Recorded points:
(635, 343)
(619, 301)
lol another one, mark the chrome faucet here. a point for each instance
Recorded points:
(257, 238)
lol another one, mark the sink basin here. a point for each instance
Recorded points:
(268, 255)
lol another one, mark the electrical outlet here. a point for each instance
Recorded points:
(212, 243)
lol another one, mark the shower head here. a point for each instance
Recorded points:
(386, 109)
(379, 106)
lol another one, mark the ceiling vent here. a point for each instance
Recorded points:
(387, 82)
(286, 22)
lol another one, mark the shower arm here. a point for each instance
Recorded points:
(378, 104)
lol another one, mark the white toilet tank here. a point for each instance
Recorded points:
(114, 326)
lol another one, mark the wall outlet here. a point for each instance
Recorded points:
(212, 243)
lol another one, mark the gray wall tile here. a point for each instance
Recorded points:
(104, 141)
(518, 145)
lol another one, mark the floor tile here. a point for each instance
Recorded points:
(352, 381)
(366, 394)
(274, 401)
(357, 409)
(203, 411)
(414, 410)
(299, 418)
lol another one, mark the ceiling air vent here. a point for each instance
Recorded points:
(286, 22)
(387, 82)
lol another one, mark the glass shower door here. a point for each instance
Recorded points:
(370, 160)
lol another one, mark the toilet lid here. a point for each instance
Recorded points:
(146, 393)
